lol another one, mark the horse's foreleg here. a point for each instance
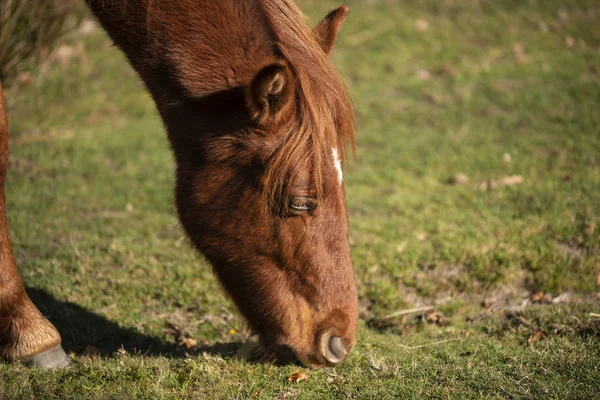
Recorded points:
(25, 334)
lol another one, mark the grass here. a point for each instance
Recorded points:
(488, 89)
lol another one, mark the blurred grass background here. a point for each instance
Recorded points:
(476, 192)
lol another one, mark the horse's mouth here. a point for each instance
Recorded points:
(254, 351)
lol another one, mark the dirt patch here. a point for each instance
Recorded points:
(404, 320)
(535, 326)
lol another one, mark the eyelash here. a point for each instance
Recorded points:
(302, 204)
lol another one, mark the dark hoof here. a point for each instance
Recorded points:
(54, 358)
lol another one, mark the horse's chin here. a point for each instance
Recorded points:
(248, 350)
(254, 351)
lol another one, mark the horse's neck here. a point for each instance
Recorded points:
(196, 46)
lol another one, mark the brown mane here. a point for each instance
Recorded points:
(322, 102)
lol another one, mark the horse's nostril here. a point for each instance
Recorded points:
(336, 346)
(335, 352)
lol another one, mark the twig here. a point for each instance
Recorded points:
(408, 311)
(74, 246)
(429, 344)
(525, 377)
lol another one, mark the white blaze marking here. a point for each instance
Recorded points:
(337, 163)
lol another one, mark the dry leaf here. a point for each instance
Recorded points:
(459, 179)
(487, 185)
(435, 317)
(298, 377)
(569, 42)
(511, 180)
(423, 74)
(376, 364)
(590, 228)
(506, 181)
(421, 25)
(401, 247)
(536, 337)
(90, 352)
(24, 78)
(563, 15)
(536, 297)
(540, 297)
(188, 342)
(87, 26)
(65, 53)
(488, 303)
(519, 52)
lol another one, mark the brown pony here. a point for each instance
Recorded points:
(258, 121)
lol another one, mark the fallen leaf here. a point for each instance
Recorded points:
(536, 337)
(376, 364)
(90, 352)
(561, 298)
(436, 317)
(563, 15)
(506, 181)
(421, 25)
(519, 53)
(401, 247)
(420, 236)
(536, 297)
(24, 78)
(188, 342)
(569, 42)
(298, 377)
(590, 228)
(487, 185)
(459, 179)
(87, 26)
(511, 180)
(65, 53)
(423, 74)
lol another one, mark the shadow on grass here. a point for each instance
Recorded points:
(80, 327)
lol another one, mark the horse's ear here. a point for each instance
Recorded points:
(327, 30)
(270, 92)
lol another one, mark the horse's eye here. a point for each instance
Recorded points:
(302, 204)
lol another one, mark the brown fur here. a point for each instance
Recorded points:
(253, 108)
